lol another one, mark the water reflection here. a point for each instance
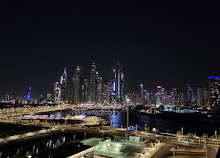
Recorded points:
(164, 125)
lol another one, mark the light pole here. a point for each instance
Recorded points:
(127, 101)
(216, 137)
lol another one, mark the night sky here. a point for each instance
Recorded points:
(168, 43)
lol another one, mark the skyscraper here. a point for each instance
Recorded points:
(190, 95)
(77, 80)
(84, 90)
(92, 86)
(203, 97)
(106, 92)
(120, 84)
(214, 88)
(63, 83)
(142, 96)
(28, 95)
(57, 93)
(117, 94)
(181, 98)
(49, 99)
(114, 88)
(174, 96)
(99, 89)
(8, 97)
(148, 97)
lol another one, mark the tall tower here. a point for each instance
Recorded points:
(77, 86)
(190, 94)
(28, 95)
(63, 82)
(142, 97)
(120, 84)
(214, 88)
(114, 87)
(99, 89)
(84, 90)
(106, 92)
(57, 93)
(174, 96)
(92, 88)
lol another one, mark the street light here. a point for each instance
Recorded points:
(216, 136)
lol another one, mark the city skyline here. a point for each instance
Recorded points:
(85, 71)
(62, 88)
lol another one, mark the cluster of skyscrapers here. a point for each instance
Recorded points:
(199, 97)
(95, 90)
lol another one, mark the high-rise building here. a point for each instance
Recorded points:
(63, 83)
(8, 98)
(181, 98)
(117, 94)
(99, 89)
(93, 84)
(190, 95)
(160, 96)
(70, 93)
(114, 88)
(84, 90)
(28, 95)
(174, 96)
(57, 93)
(106, 92)
(77, 81)
(203, 97)
(49, 98)
(41, 99)
(148, 97)
(142, 96)
(120, 85)
(214, 88)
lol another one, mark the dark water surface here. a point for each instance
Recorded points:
(164, 125)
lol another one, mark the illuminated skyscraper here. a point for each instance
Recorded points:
(93, 84)
(114, 88)
(84, 91)
(106, 92)
(181, 98)
(148, 97)
(214, 88)
(28, 95)
(63, 83)
(41, 99)
(8, 97)
(57, 93)
(117, 94)
(49, 98)
(77, 81)
(99, 89)
(120, 85)
(190, 95)
(142, 96)
(160, 96)
(203, 98)
(174, 96)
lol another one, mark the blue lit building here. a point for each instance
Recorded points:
(63, 83)
(28, 95)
